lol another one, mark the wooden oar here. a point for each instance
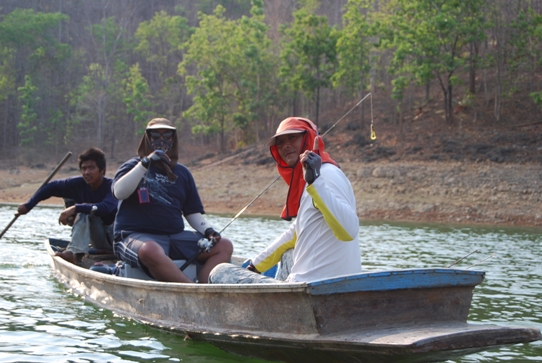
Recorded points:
(45, 182)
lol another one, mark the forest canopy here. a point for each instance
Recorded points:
(75, 74)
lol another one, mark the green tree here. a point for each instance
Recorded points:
(31, 35)
(7, 87)
(254, 69)
(532, 52)
(160, 42)
(235, 8)
(137, 98)
(354, 49)
(400, 84)
(30, 47)
(233, 62)
(207, 49)
(309, 54)
(93, 102)
(89, 96)
(525, 47)
(429, 39)
(28, 128)
(101, 88)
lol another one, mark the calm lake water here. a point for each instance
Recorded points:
(40, 321)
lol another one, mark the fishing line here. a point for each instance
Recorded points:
(373, 133)
(484, 260)
(352, 109)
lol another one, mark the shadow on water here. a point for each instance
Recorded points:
(40, 321)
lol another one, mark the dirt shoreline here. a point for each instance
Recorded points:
(435, 192)
(452, 193)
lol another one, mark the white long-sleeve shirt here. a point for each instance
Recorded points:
(325, 233)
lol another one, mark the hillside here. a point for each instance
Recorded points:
(473, 171)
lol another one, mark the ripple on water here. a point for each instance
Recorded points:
(41, 322)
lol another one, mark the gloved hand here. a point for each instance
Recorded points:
(251, 267)
(311, 167)
(210, 233)
(157, 155)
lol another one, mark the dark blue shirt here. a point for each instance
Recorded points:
(85, 198)
(169, 201)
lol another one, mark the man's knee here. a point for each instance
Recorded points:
(225, 246)
(150, 252)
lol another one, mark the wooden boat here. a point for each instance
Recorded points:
(414, 315)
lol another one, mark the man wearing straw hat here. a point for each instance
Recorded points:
(155, 192)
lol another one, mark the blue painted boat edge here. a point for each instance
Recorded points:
(397, 279)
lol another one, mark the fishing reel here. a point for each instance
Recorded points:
(206, 244)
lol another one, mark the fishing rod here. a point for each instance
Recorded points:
(49, 177)
(206, 245)
(462, 258)
(373, 136)
(249, 204)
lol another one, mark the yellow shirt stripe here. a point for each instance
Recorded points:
(275, 257)
(336, 227)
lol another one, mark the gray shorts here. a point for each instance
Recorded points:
(179, 246)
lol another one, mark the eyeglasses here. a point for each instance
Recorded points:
(157, 134)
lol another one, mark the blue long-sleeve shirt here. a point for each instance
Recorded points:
(85, 198)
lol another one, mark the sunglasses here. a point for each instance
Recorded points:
(157, 134)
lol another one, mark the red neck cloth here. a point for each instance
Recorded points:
(293, 176)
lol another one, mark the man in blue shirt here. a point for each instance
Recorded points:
(155, 192)
(93, 212)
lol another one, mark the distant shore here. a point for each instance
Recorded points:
(450, 193)
(434, 192)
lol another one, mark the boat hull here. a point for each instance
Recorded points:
(418, 315)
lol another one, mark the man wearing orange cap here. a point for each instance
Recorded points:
(324, 234)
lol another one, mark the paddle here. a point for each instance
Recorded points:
(45, 182)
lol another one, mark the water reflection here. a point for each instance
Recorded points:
(41, 322)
